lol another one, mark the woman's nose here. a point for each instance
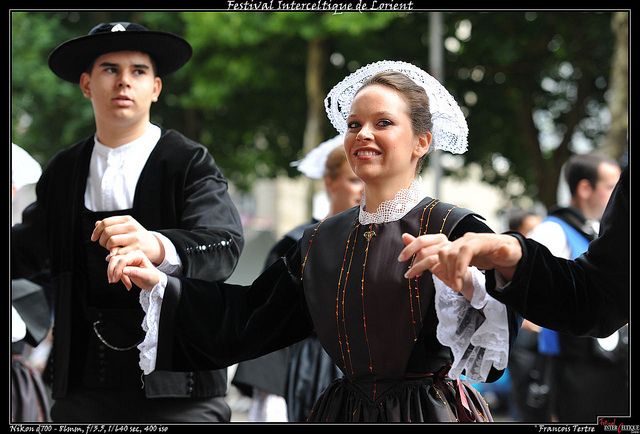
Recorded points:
(364, 133)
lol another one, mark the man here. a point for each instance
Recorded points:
(576, 366)
(523, 221)
(132, 185)
(588, 296)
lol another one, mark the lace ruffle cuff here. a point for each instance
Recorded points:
(477, 332)
(151, 302)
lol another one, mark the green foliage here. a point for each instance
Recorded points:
(545, 63)
(243, 94)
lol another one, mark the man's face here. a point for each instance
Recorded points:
(608, 175)
(121, 86)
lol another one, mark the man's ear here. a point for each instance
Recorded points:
(85, 80)
(157, 88)
(584, 189)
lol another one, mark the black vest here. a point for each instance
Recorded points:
(105, 336)
(112, 316)
(363, 308)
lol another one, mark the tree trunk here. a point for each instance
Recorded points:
(616, 140)
(316, 65)
(546, 170)
(316, 61)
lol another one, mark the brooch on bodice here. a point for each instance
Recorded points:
(369, 234)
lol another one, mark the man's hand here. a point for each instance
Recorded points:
(123, 234)
(449, 260)
(423, 247)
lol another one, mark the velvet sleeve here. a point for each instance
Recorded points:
(209, 237)
(206, 325)
(588, 296)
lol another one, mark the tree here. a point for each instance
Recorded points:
(616, 141)
(275, 67)
(532, 83)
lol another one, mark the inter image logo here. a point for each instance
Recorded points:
(615, 425)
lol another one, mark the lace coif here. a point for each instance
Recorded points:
(450, 128)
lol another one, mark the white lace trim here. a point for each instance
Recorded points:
(449, 131)
(394, 209)
(477, 332)
(151, 302)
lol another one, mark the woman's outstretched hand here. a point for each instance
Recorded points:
(133, 268)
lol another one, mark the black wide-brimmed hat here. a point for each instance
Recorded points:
(70, 59)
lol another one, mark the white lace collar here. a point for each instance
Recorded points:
(394, 209)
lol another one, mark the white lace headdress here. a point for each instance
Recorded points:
(313, 164)
(449, 131)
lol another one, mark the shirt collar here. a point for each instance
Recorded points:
(147, 140)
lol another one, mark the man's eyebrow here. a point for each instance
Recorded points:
(136, 65)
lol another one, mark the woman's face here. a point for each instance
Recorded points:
(380, 143)
(345, 190)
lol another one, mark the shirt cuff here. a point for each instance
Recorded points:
(478, 337)
(480, 296)
(171, 264)
(151, 302)
(501, 282)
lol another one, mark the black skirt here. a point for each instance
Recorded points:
(434, 398)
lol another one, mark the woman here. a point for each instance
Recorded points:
(400, 343)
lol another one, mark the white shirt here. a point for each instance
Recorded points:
(554, 238)
(551, 235)
(113, 177)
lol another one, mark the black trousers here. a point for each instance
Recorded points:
(130, 405)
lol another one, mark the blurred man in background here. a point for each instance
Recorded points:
(585, 378)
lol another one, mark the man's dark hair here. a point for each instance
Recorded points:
(584, 166)
(516, 217)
